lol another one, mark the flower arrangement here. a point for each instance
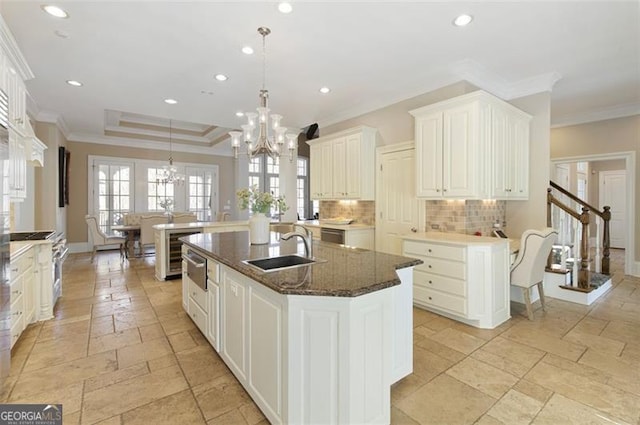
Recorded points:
(259, 202)
(166, 204)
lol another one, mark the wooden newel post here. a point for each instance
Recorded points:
(583, 273)
(606, 241)
(549, 224)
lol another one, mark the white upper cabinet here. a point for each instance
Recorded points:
(474, 146)
(343, 165)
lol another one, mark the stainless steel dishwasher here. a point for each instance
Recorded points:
(332, 235)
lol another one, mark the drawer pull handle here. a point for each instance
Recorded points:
(429, 249)
(430, 282)
(430, 298)
(429, 265)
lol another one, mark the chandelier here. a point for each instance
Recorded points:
(169, 173)
(260, 135)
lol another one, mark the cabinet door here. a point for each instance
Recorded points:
(234, 325)
(17, 167)
(459, 156)
(520, 160)
(353, 166)
(501, 162)
(429, 156)
(213, 330)
(321, 171)
(266, 348)
(339, 168)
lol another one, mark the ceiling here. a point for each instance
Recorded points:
(130, 56)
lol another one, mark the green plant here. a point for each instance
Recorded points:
(259, 202)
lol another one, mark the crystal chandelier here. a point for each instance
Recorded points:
(270, 137)
(169, 173)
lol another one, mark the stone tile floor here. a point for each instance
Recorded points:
(121, 351)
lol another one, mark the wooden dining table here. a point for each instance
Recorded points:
(131, 230)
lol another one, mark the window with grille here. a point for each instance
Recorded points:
(199, 193)
(302, 188)
(113, 192)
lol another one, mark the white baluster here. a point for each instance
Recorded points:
(576, 253)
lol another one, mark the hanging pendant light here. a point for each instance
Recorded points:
(169, 173)
(262, 133)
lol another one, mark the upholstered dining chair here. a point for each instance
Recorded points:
(184, 218)
(528, 268)
(99, 238)
(147, 233)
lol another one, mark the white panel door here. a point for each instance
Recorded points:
(398, 208)
(459, 139)
(613, 193)
(428, 154)
(339, 160)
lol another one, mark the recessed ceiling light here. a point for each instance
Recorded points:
(325, 90)
(239, 114)
(221, 77)
(462, 20)
(285, 7)
(55, 11)
(170, 101)
(247, 50)
(74, 83)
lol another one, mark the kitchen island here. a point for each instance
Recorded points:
(320, 343)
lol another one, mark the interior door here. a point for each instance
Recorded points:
(398, 210)
(612, 193)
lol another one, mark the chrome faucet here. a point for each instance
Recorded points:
(305, 234)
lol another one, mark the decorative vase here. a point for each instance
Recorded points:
(259, 229)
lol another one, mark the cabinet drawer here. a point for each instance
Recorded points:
(440, 283)
(437, 299)
(17, 309)
(198, 295)
(198, 316)
(427, 249)
(16, 289)
(447, 268)
(20, 265)
(213, 271)
(16, 329)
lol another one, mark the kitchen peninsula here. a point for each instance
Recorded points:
(319, 343)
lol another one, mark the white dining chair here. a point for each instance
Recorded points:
(529, 266)
(99, 238)
(147, 233)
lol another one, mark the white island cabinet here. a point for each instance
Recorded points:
(305, 358)
(463, 277)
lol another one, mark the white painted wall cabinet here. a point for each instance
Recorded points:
(474, 146)
(343, 165)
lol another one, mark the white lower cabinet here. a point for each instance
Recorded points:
(311, 359)
(463, 278)
(22, 294)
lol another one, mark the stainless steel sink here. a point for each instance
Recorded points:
(280, 263)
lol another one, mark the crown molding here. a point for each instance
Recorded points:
(619, 111)
(494, 83)
(8, 43)
(54, 118)
(222, 149)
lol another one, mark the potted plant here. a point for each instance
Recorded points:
(259, 203)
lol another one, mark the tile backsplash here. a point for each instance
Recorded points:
(462, 216)
(363, 212)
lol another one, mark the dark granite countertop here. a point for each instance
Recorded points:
(341, 272)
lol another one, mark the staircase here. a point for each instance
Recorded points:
(569, 274)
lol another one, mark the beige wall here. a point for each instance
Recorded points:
(78, 186)
(595, 167)
(602, 137)
(394, 123)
